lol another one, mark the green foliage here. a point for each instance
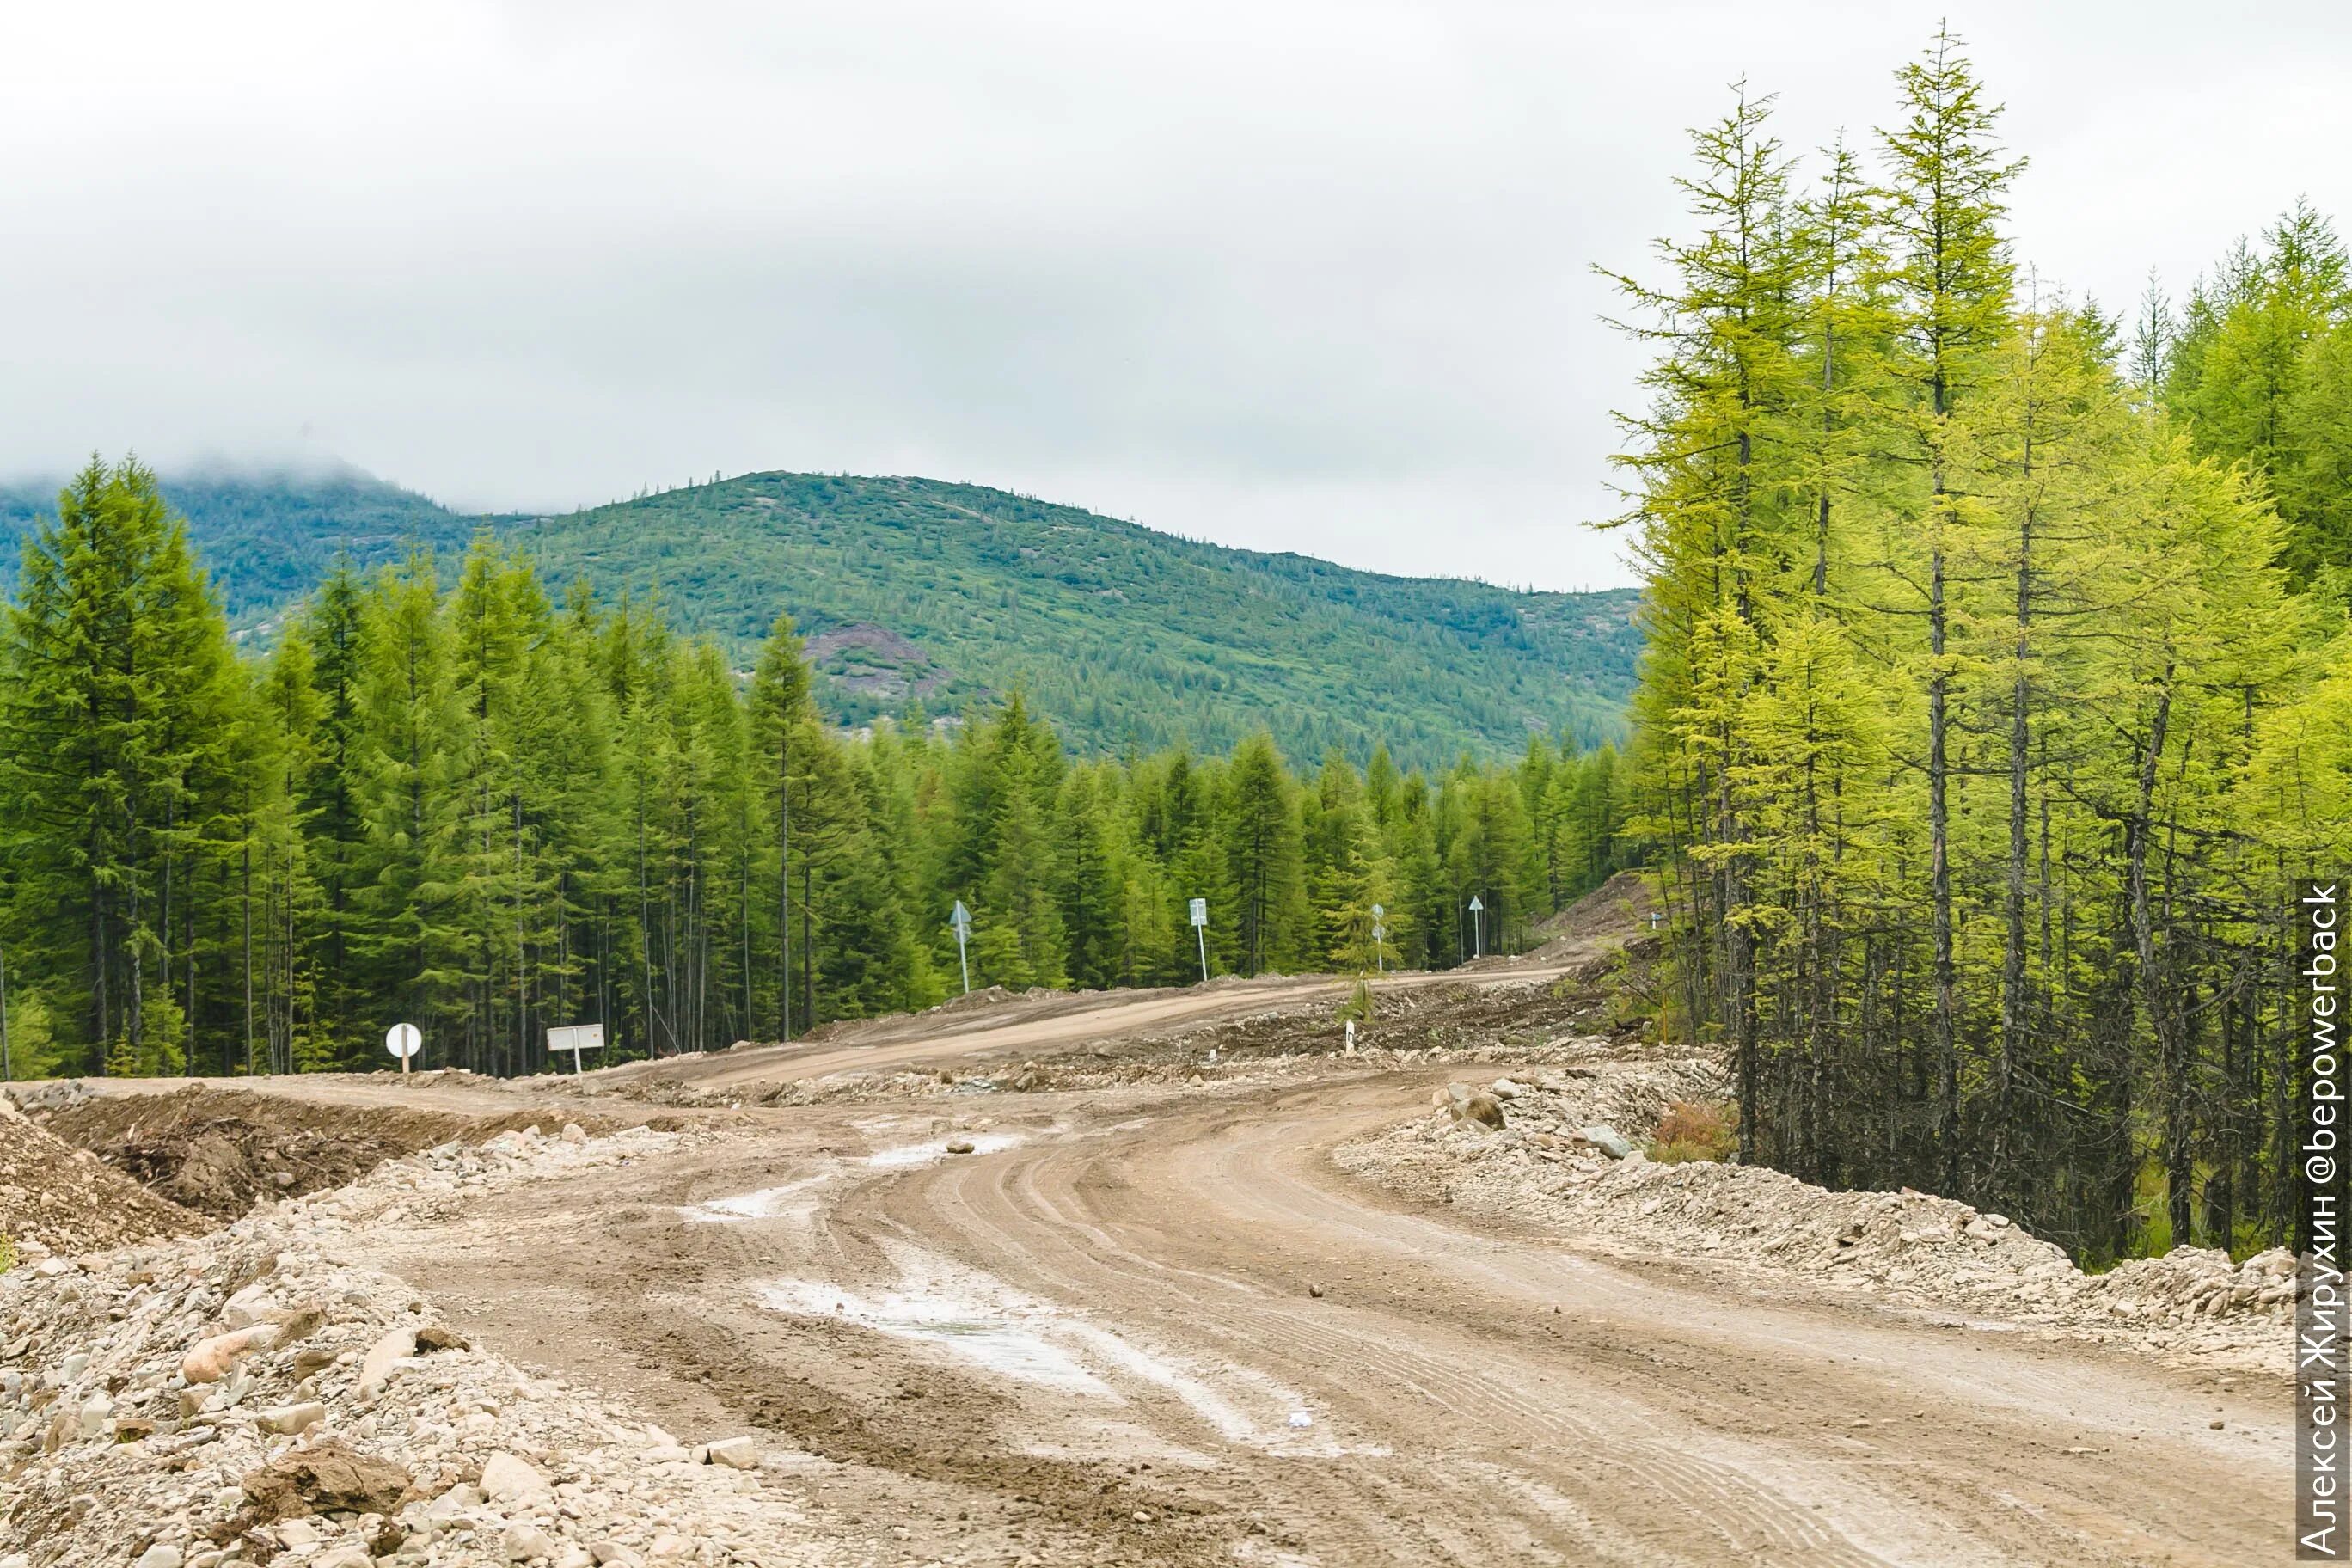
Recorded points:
(920, 596)
(2259, 369)
(33, 1050)
(443, 800)
(270, 536)
(1980, 730)
(119, 701)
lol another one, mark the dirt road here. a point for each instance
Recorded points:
(1155, 1323)
(1046, 1021)
(1032, 1025)
(1097, 1338)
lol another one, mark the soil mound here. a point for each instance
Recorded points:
(221, 1152)
(61, 1200)
(1619, 910)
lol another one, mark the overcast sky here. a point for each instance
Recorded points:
(1305, 276)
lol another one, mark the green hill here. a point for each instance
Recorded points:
(918, 593)
(269, 534)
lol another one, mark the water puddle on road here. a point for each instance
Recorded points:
(769, 1203)
(981, 1318)
(798, 1199)
(932, 1153)
(956, 1310)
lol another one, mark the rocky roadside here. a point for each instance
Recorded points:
(1549, 1164)
(255, 1396)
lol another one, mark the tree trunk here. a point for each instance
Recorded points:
(2172, 1065)
(249, 957)
(784, 879)
(2014, 1003)
(1939, 848)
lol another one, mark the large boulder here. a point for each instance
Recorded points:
(1470, 1105)
(326, 1477)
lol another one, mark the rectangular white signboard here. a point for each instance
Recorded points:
(575, 1038)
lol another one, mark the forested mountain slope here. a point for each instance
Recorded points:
(268, 536)
(916, 592)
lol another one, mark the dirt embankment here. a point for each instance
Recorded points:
(221, 1152)
(57, 1199)
(1613, 915)
(1546, 1163)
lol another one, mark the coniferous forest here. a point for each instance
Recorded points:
(486, 810)
(1999, 684)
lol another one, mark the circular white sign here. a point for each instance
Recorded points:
(403, 1040)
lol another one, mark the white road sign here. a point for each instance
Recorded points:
(1200, 912)
(575, 1038)
(403, 1040)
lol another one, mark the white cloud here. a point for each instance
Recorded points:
(1293, 276)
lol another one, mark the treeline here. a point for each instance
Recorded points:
(1999, 685)
(486, 812)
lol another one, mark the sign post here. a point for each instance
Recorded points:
(575, 1038)
(404, 1041)
(962, 921)
(1201, 934)
(1478, 925)
(1379, 938)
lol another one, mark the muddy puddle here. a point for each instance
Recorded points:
(983, 1322)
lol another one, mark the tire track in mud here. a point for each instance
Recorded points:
(1760, 1433)
(998, 1212)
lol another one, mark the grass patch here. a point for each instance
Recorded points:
(1696, 1129)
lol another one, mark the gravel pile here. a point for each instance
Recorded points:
(244, 1397)
(47, 1094)
(1549, 1164)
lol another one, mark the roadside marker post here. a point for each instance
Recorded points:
(404, 1041)
(962, 921)
(1379, 938)
(1478, 925)
(575, 1038)
(1201, 934)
